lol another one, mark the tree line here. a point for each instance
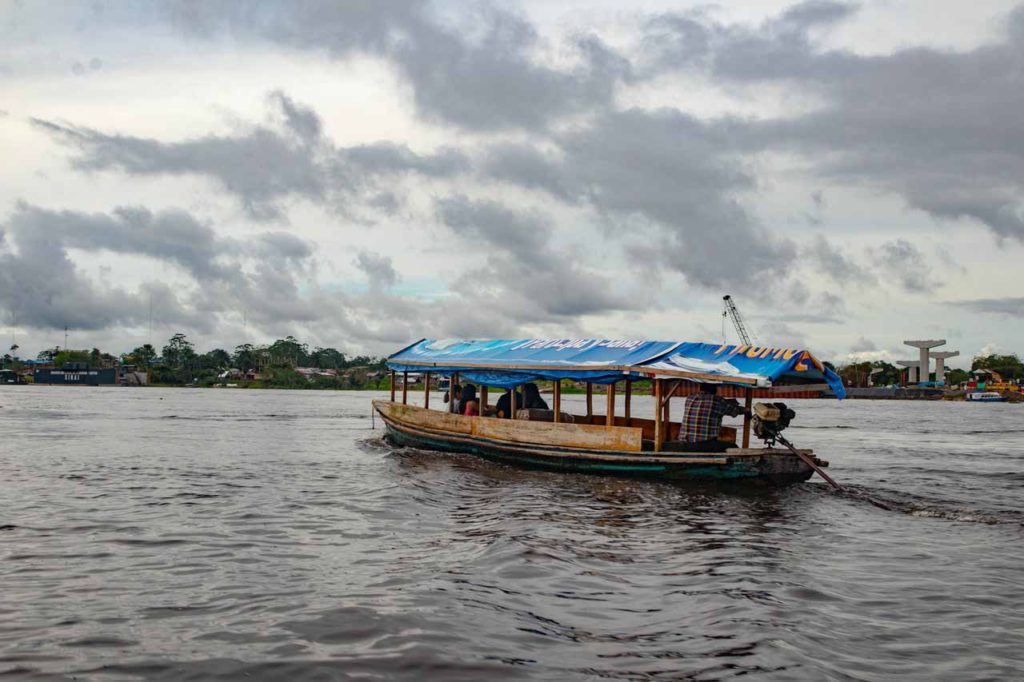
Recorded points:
(882, 373)
(179, 363)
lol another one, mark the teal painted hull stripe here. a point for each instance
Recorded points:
(726, 472)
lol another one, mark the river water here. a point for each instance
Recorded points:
(178, 534)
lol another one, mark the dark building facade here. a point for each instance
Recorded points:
(76, 374)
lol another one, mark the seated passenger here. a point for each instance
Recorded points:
(532, 399)
(468, 402)
(702, 419)
(503, 408)
(455, 391)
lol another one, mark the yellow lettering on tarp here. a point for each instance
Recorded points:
(721, 349)
(801, 365)
(739, 349)
(788, 354)
(766, 352)
(779, 353)
(753, 352)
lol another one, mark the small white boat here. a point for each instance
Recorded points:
(986, 397)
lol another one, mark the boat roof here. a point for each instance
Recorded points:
(511, 362)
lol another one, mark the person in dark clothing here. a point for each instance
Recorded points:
(532, 399)
(503, 408)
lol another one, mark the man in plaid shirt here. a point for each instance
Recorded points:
(702, 418)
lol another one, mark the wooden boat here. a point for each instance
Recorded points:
(609, 443)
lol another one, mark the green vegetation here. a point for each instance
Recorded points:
(881, 373)
(276, 365)
(61, 356)
(957, 376)
(1008, 366)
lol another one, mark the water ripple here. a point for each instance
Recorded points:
(163, 534)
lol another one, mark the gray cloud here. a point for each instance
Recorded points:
(493, 83)
(263, 167)
(41, 287)
(282, 245)
(520, 233)
(798, 305)
(260, 167)
(300, 119)
(378, 269)
(479, 74)
(481, 68)
(833, 263)
(814, 215)
(527, 167)
(810, 13)
(808, 318)
(169, 235)
(778, 334)
(902, 260)
(384, 157)
(863, 345)
(680, 175)
(526, 278)
(938, 127)
(1010, 306)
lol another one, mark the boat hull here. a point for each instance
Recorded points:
(772, 466)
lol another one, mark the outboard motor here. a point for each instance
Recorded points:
(769, 419)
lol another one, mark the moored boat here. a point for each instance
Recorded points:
(985, 397)
(611, 443)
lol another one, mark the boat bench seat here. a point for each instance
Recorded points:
(543, 416)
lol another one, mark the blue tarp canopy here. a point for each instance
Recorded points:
(510, 362)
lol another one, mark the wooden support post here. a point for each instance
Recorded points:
(512, 402)
(452, 380)
(426, 391)
(609, 419)
(590, 401)
(626, 405)
(483, 400)
(557, 388)
(392, 385)
(659, 435)
(747, 401)
(405, 387)
(666, 419)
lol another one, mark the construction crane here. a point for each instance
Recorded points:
(737, 321)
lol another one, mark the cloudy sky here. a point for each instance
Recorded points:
(364, 174)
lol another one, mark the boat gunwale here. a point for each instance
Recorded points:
(573, 454)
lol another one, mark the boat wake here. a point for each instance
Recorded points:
(900, 502)
(915, 505)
